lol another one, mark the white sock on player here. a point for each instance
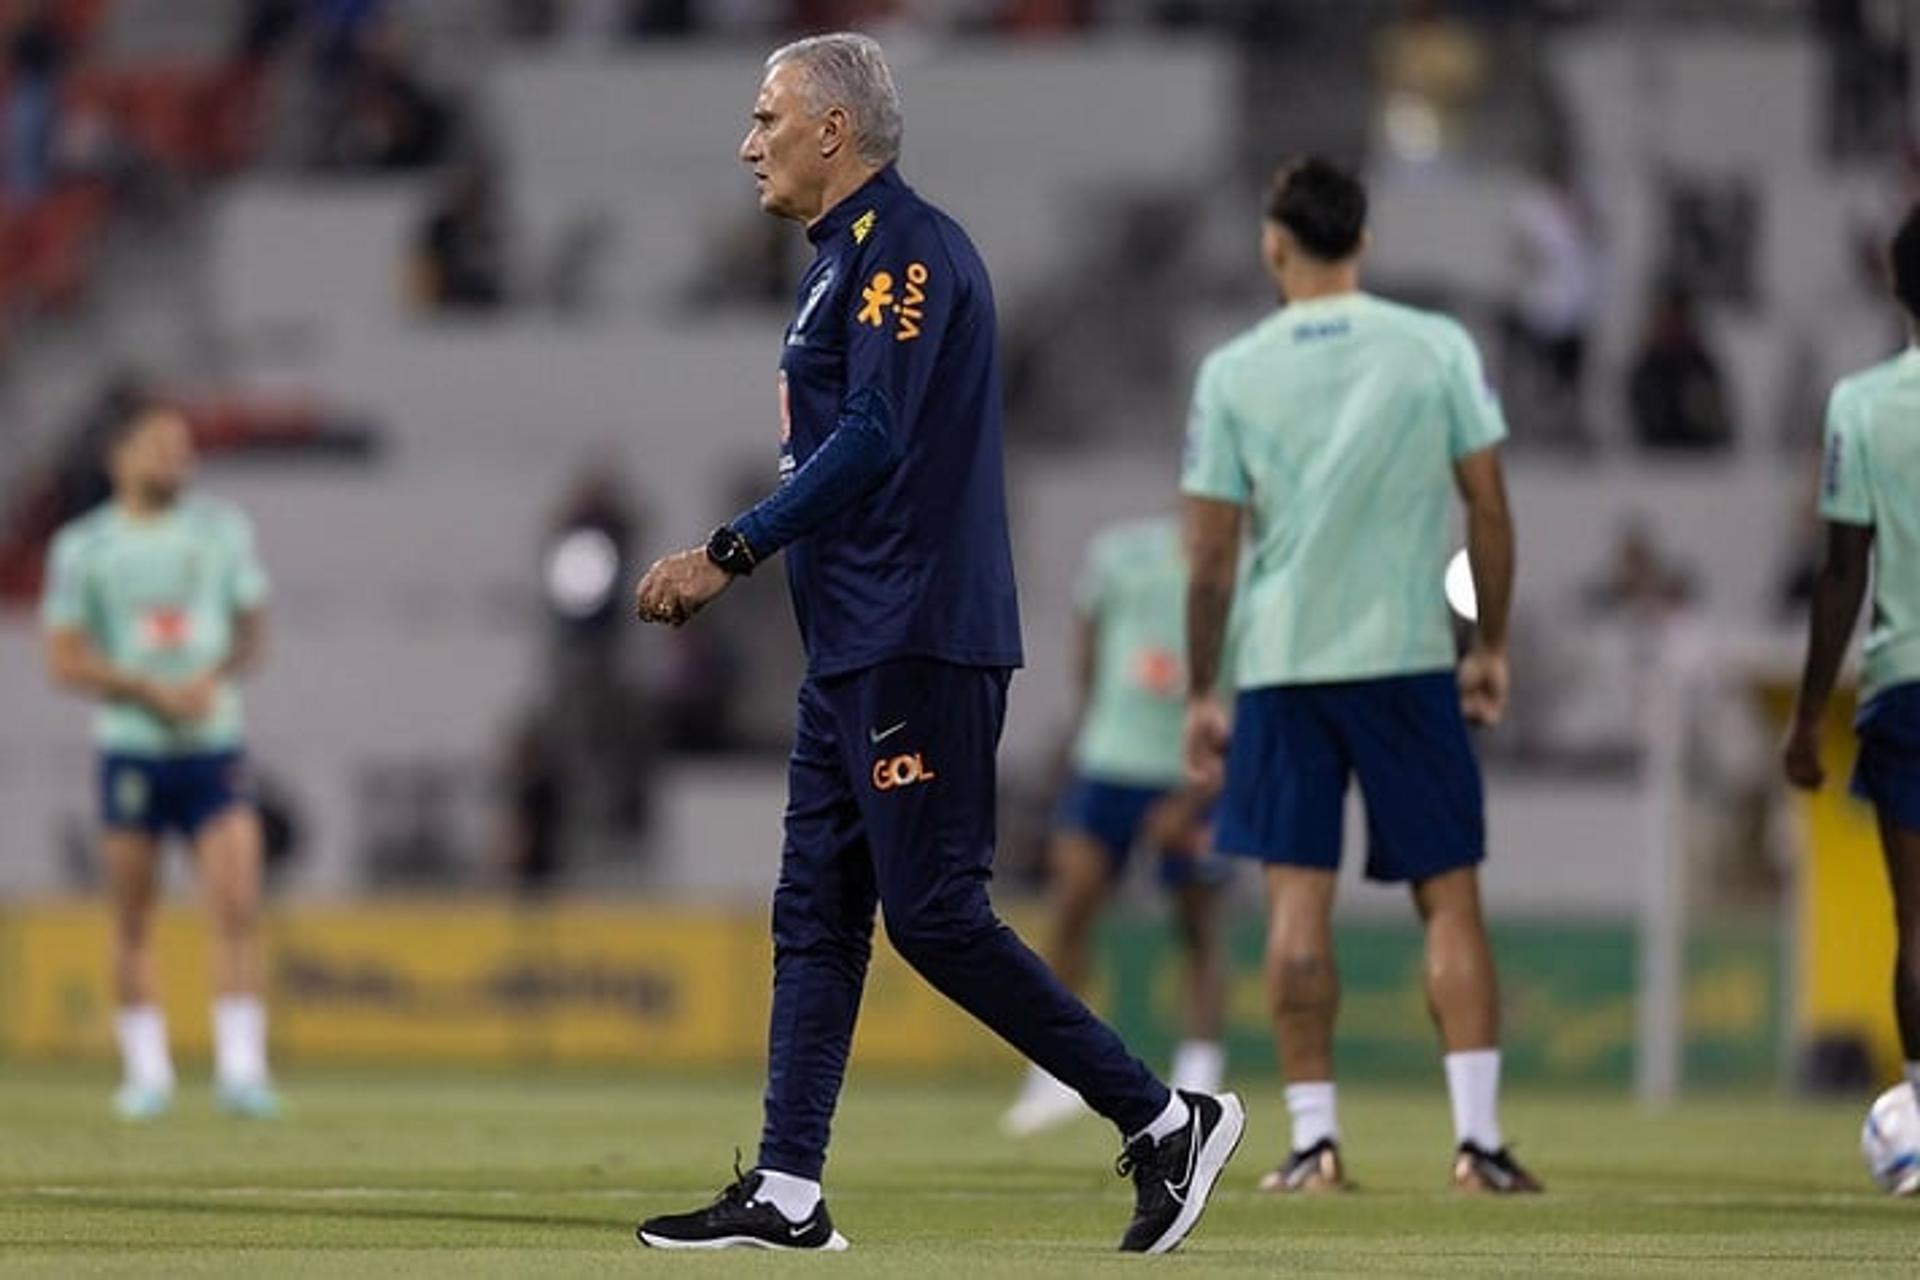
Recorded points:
(1172, 1118)
(1473, 1082)
(239, 1042)
(795, 1198)
(1199, 1066)
(142, 1030)
(1315, 1112)
(1042, 1086)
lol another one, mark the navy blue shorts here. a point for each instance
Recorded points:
(1295, 747)
(1112, 813)
(1888, 772)
(159, 795)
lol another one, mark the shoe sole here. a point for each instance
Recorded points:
(1478, 1186)
(1268, 1186)
(837, 1243)
(1221, 1144)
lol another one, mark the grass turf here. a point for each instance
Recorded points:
(467, 1175)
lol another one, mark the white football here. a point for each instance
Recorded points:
(1890, 1140)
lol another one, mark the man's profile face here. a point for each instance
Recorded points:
(155, 458)
(783, 147)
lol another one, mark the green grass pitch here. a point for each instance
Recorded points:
(466, 1175)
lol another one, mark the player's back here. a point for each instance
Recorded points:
(1337, 422)
(1872, 476)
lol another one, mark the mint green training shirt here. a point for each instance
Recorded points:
(1337, 423)
(158, 598)
(1872, 478)
(1134, 592)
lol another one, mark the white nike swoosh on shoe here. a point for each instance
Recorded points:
(878, 736)
(1179, 1191)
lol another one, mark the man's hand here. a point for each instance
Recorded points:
(1483, 685)
(1174, 826)
(188, 702)
(1204, 745)
(679, 586)
(1800, 755)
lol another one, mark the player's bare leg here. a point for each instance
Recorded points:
(230, 865)
(1462, 992)
(132, 866)
(1079, 883)
(1303, 990)
(1901, 846)
(1463, 995)
(1200, 1063)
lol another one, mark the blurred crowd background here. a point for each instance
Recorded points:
(473, 311)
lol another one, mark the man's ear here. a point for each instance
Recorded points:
(836, 132)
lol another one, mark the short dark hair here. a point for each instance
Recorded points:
(127, 413)
(1323, 205)
(1904, 256)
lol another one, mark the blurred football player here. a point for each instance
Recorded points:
(154, 607)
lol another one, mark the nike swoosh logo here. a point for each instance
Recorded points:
(794, 1233)
(1179, 1191)
(878, 736)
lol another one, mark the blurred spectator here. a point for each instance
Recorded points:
(342, 29)
(1676, 393)
(1605, 670)
(651, 19)
(598, 733)
(378, 110)
(589, 556)
(1638, 582)
(1431, 68)
(36, 58)
(533, 803)
(264, 29)
(697, 691)
(1557, 248)
(1868, 73)
(459, 253)
(725, 684)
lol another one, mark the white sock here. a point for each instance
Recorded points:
(239, 1041)
(1316, 1116)
(795, 1198)
(1040, 1084)
(1473, 1082)
(1172, 1118)
(1913, 1078)
(1199, 1066)
(142, 1030)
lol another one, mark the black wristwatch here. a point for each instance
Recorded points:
(728, 549)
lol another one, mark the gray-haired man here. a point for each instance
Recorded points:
(892, 511)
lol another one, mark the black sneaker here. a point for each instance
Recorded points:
(737, 1221)
(1308, 1172)
(1173, 1177)
(1483, 1172)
